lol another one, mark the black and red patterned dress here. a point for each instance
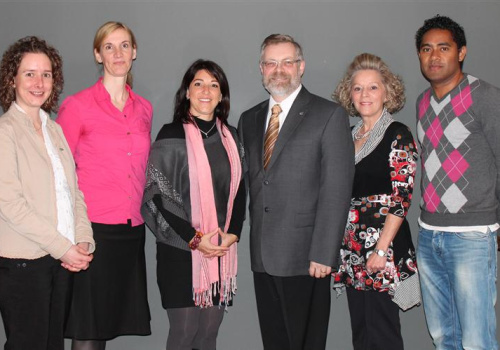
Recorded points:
(383, 184)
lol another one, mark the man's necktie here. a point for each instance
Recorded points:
(271, 134)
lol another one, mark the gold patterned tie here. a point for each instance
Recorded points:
(271, 134)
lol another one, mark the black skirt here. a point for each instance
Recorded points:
(110, 297)
(174, 277)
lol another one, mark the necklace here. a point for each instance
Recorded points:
(208, 132)
(359, 136)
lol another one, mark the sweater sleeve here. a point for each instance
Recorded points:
(490, 120)
(403, 165)
(239, 207)
(182, 227)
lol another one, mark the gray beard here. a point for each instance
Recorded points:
(282, 90)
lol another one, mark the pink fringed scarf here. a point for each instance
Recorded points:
(204, 216)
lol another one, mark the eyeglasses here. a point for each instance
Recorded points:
(273, 64)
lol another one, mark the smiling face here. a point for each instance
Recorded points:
(204, 95)
(33, 82)
(440, 60)
(368, 93)
(116, 53)
(281, 80)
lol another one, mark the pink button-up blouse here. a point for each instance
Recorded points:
(111, 150)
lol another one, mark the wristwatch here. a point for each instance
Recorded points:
(380, 252)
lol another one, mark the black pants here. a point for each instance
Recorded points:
(34, 302)
(374, 321)
(293, 311)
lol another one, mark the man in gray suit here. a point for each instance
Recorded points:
(301, 166)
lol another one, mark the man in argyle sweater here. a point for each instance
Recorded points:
(459, 132)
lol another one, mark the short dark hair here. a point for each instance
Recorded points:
(442, 22)
(182, 104)
(11, 61)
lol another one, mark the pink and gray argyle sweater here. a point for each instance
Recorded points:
(459, 136)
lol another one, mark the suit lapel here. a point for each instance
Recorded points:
(293, 119)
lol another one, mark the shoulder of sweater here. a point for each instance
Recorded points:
(486, 90)
(423, 93)
(172, 130)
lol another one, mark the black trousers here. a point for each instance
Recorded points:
(293, 311)
(34, 297)
(374, 321)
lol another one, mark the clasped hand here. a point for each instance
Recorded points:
(77, 258)
(210, 250)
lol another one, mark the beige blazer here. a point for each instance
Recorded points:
(28, 212)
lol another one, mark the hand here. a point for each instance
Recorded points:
(85, 246)
(227, 238)
(319, 270)
(375, 263)
(210, 250)
(76, 259)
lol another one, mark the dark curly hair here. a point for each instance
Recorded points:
(182, 104)
(442, 22)
(393, 84)
(11, 61)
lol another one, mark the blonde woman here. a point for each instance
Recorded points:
(377, 251)
(108, 129)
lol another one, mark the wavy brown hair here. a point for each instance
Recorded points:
(393, 84)
(11, 61)
(108, 28)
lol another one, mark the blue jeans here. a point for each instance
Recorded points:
(457, 278)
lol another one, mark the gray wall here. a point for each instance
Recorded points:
(172, 34)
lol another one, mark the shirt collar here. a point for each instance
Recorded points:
(103, 94)
(286, 104)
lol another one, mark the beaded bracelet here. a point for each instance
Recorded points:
(195, 242)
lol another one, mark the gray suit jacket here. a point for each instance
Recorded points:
(299, 205)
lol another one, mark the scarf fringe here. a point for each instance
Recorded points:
(226, 290)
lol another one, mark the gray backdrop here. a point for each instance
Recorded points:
(172, 34)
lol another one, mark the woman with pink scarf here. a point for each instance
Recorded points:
(194, 202)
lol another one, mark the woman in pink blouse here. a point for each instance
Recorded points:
(108, 129)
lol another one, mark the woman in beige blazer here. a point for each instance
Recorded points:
(44, 230)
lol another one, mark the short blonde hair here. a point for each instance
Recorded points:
(108, 28)
(393, 84)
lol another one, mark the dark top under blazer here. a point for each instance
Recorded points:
(299, 205)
